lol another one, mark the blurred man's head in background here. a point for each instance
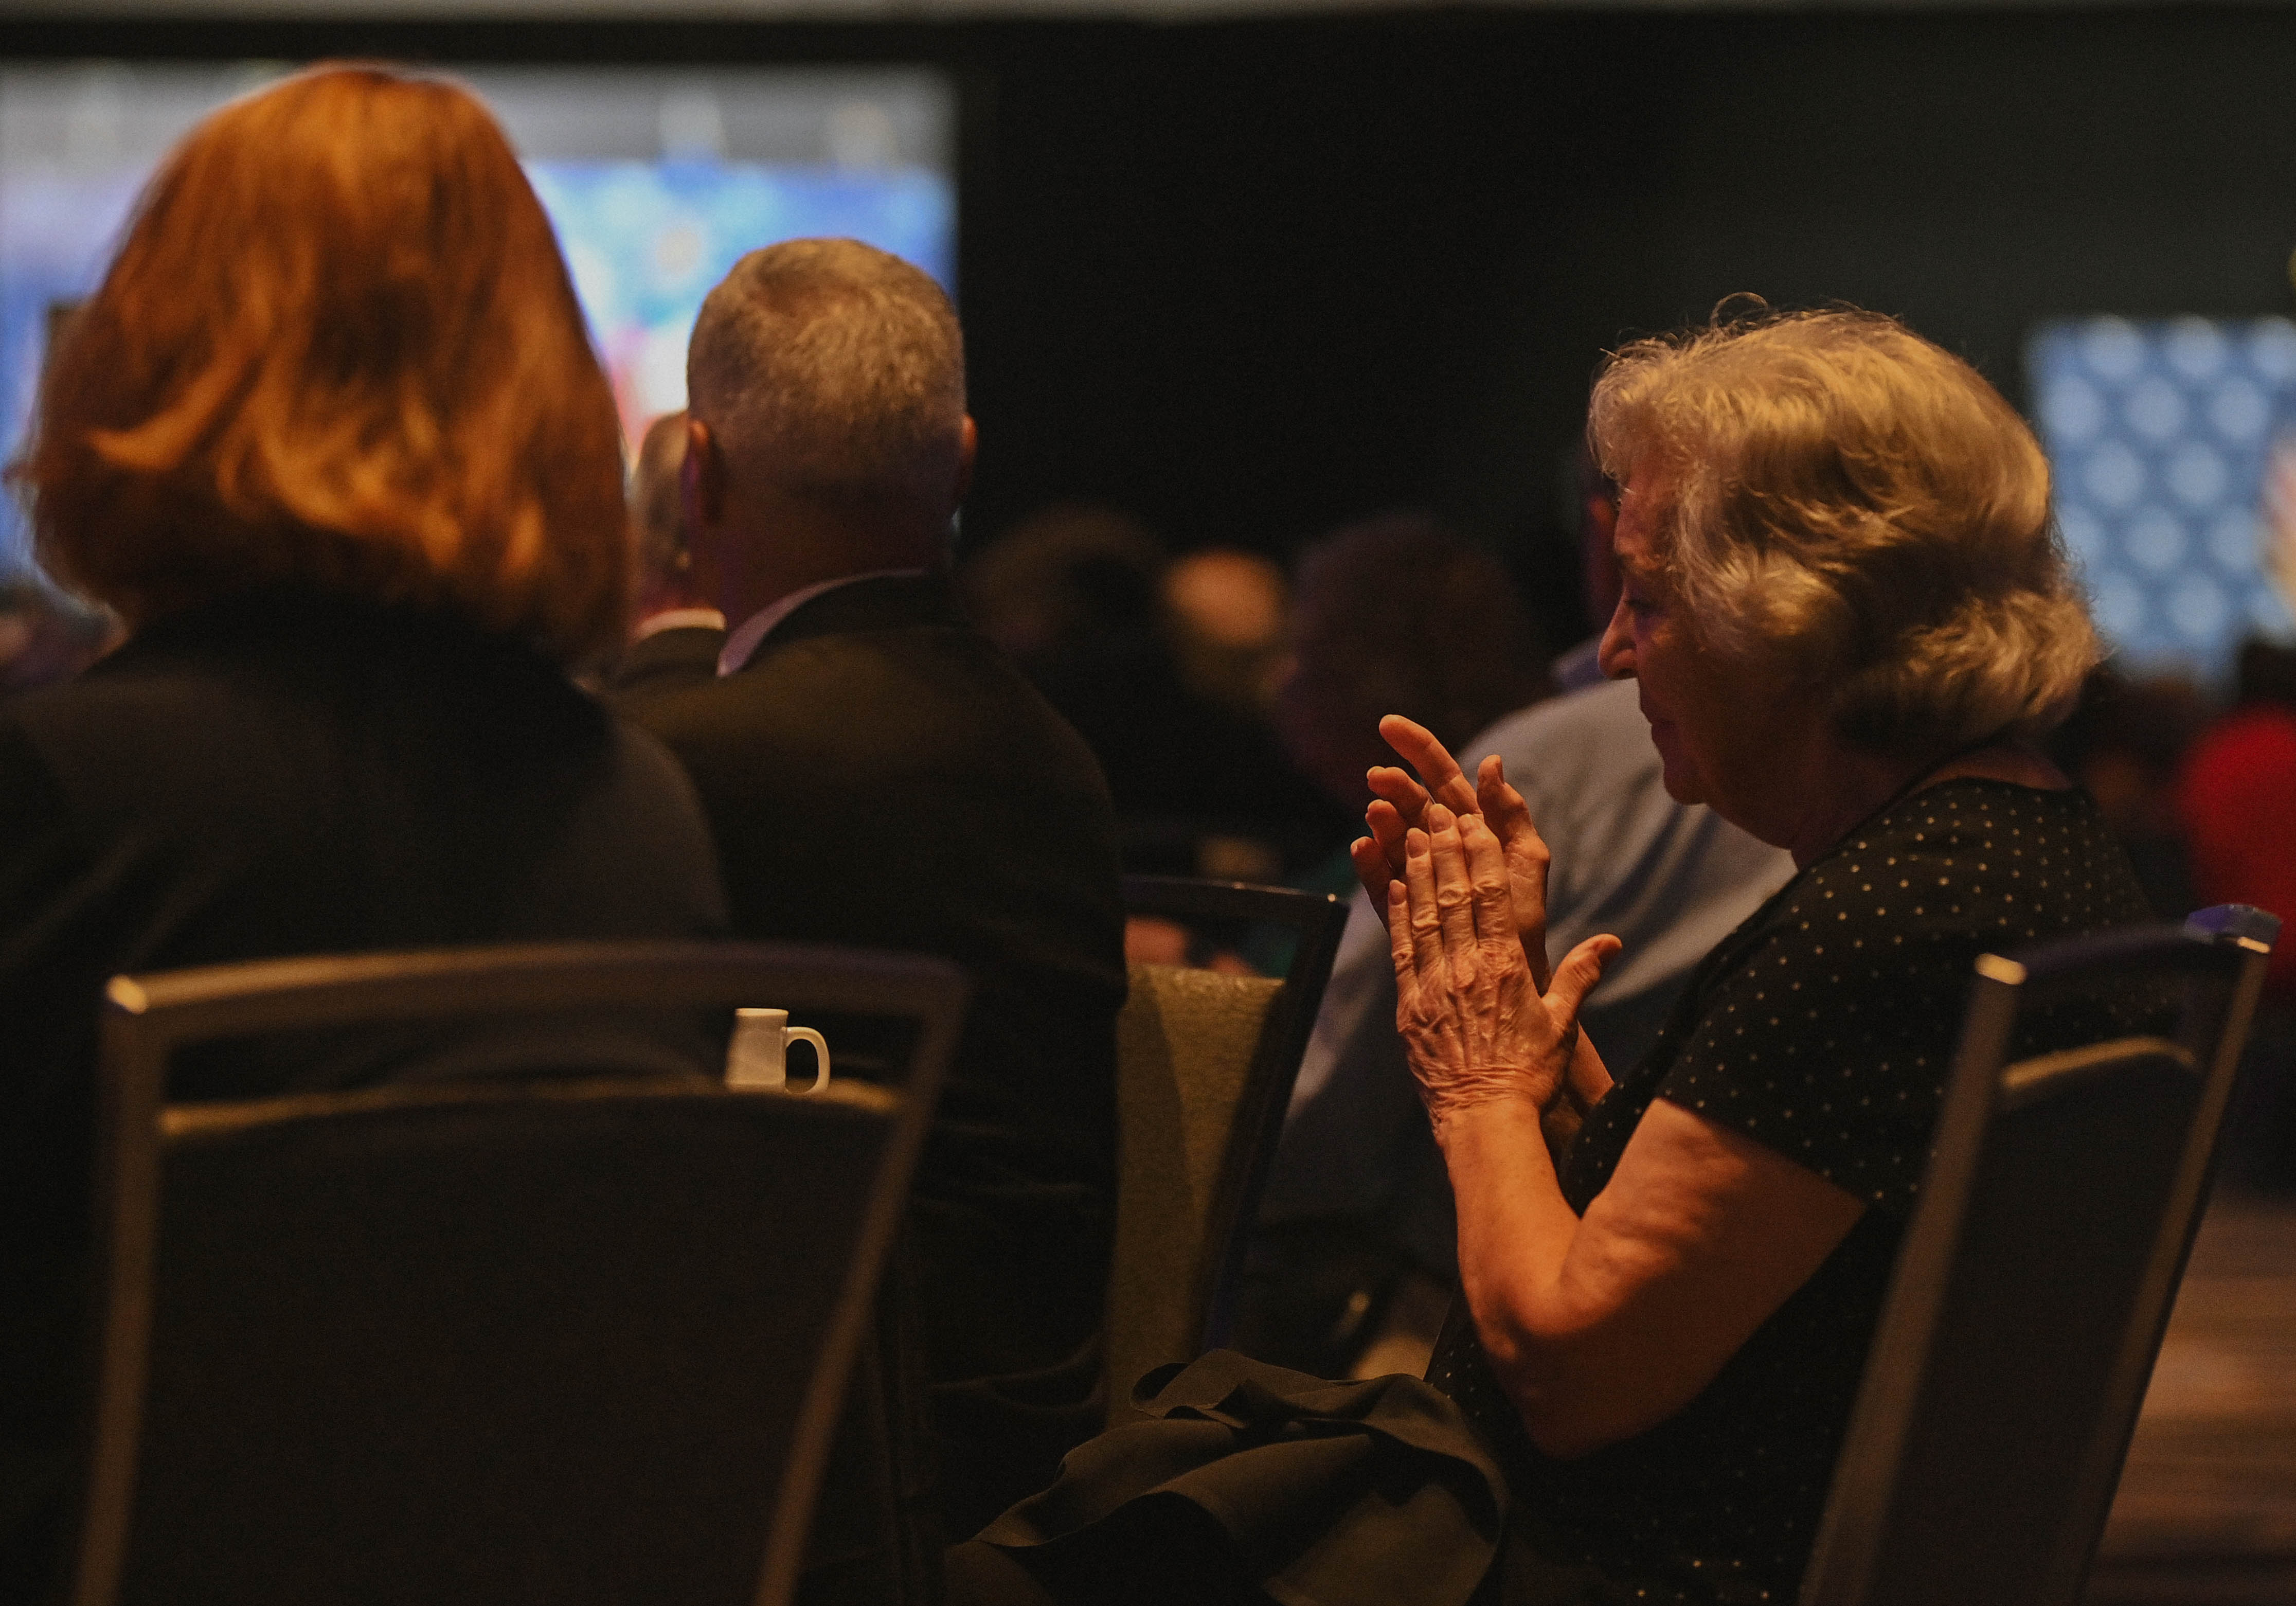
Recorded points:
(1396, 614)
(660, 551)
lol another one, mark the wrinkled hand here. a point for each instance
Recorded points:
(1400, 805)
(1475, 1022)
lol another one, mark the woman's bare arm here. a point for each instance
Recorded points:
(1602, 1327)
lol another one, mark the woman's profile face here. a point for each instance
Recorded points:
(1721, 725)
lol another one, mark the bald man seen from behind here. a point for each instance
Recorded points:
(877, 774)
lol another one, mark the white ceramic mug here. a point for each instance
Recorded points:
(758, 1054)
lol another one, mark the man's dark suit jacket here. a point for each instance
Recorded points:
(290, 773)
(879, 774)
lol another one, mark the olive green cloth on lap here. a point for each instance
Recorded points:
(1333, 1494)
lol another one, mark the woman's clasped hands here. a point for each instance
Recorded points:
(1475, 1020)
(1398, 803)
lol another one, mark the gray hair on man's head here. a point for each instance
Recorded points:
(834, 369)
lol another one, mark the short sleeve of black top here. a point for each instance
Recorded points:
(1821, 1028)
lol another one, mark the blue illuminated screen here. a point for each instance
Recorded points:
(2165, 438)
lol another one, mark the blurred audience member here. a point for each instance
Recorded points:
(1079, 596)
(878, 774)
(1357, 1175)
(1392, 614)
(354, 483)
(1398, 616)
(44, 638)
(676, 632)
(1063, 580)
(2125, 742)
(1153, 939)
(1227, 612)
(2237, 799)
(1597, 502)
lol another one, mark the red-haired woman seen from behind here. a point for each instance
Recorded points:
(331, 440)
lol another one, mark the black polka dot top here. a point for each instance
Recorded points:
(1823, 1027)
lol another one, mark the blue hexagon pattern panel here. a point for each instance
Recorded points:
(2162, 436)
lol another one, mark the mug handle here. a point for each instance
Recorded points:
(820, 1054)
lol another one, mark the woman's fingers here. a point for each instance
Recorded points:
(1499, 802)
(1510, 817)
(1576, 977)
(1426, 919)
(1387, 825)
(1527, 857)
(1395, 908)
(1455, 894)
(1417, 747)
(1396, 791)
(1370, 860)
(1494, 886)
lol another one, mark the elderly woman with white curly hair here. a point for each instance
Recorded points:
(1849, 619)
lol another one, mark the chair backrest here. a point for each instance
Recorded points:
(1205, 1064)
(570, 1340)
(2037, 1277)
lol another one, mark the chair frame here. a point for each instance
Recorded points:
(148, 1017)
(2229, 944)
(1319, 919)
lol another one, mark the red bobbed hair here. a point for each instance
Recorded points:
(338, 346)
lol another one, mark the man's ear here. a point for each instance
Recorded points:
(701, 504)
(702, 479)
(968, 448)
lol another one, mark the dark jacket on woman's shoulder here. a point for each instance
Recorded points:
(286, 772)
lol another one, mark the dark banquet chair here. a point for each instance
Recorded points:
(568, 1340)
(2036, 1278)
(1205, 1064)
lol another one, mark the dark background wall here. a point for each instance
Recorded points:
(1249, 279)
